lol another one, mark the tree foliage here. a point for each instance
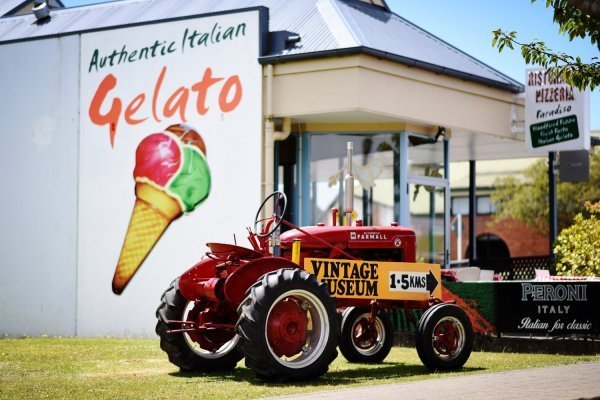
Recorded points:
(576, 249)
(576, 18)
(527, 202)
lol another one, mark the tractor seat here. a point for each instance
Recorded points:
(224, 250)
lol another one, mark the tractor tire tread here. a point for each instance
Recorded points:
(424, 337)
(253, 312)
(179, 353)
(347, 348)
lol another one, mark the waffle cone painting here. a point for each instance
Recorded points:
(171, 177)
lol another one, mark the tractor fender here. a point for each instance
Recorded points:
(239, 281)
(189, 280)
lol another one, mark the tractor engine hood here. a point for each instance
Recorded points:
(356, 237)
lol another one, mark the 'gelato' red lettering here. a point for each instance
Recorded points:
(132, 108)
(233, 83)
(202, 89)
(177, 101)
(112, 116)
(138, 110)
(157, 87)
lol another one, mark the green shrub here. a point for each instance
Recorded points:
(577, 248)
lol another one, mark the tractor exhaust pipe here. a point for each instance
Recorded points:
(349, 188)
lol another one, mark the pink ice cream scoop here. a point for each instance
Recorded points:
(158, 158)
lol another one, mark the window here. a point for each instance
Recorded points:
(485, 206)
(460, 205)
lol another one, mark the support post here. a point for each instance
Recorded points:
(472, 213)
(553, 214)
(398, 200)
(402, 168)
(431, 232)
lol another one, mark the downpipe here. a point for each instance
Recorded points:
(271, 135)
(349, 187)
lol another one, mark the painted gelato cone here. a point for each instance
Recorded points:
(172, 177)
(152, 213)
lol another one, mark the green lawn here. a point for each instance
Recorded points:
(76, 368)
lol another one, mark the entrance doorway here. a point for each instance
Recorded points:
(428, 197)
(375, 160)
(490, 246)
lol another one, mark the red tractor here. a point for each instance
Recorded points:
(286, 314)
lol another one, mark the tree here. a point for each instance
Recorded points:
(576, 18)
(577, 251)
(527, 202)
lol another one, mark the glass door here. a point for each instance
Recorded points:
(374, 162)
(428, 199)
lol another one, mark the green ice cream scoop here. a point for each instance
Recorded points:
(192, 182)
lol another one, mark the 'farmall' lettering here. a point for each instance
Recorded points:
(367, 236)
(141, 107)
(540, 292)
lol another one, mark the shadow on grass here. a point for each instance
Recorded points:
(335, 377)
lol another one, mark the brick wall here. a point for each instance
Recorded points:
(521, 241)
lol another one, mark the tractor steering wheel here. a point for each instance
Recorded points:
(278, 212)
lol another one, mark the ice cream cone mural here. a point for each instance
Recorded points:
(171, 178)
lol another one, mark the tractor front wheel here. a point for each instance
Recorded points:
(193, 351)
(288, 326)
(444, 337)
(366, 341)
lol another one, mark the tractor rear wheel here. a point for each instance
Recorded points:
(288, 326)
(215, 351)
(362, 342)
(444, 337)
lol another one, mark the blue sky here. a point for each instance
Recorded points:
(467, 25)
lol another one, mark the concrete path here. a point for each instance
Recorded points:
(569, 382)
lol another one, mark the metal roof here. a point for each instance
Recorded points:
(326, 28)
(9, 6)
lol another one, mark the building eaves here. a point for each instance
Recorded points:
(411, 62)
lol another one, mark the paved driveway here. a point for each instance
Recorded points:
(578, 381)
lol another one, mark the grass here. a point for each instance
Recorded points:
(78, 368)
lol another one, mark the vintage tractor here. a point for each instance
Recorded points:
(286, 314)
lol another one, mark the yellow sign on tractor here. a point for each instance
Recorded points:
(360, 279)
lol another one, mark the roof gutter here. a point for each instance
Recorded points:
(514, 87)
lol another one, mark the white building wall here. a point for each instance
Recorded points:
(38, 180)
(67, 191)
